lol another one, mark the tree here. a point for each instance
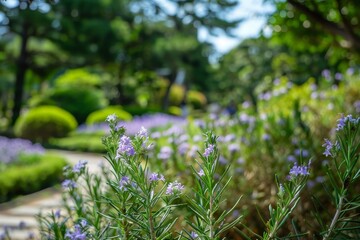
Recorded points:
(319, 26)
(23, 23)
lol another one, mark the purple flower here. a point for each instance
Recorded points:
(194, 235)
(201, 173)
(125, 147)
(123, 182)
(326, 73)
(343, 120)
(57, 213)
(208, 150)
(154, 177)
(341, 123)
(68, 184)
(183, 148)
(111, 118)
(142, 133)
(357, 106)
(223, 160)
(328, 147)
(299, 170)
(350, 71)
(79, 166)
(76, 235)
(174, 187)
(165, 153)
(266, 137)
(338, 76)
(291, 158)
(83, 223)
(234, 147)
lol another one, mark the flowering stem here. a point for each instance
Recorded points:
(284, 213)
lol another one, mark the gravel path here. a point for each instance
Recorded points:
(19, 215)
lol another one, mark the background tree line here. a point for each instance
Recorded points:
(133, 43)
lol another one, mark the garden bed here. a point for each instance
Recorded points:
(25, 168)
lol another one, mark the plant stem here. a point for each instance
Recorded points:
(151, 222)
(211, 234)
(334, 220)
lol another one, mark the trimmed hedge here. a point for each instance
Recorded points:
(99, 116)
(42, 123)
(82, 143)
(21, 180)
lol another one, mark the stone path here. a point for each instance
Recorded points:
(19, 215)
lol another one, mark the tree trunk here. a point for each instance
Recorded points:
(22, 66)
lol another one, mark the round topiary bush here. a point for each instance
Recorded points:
(196, 99)
(99, 116)
(80, 102)
(78, 78)
(41, 123)
(177, 93)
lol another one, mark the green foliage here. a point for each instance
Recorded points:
(323, 27)
(138, 111)
(174, 110)
(80, 102)
(99, 116)
(20, 180)
(78, 142)
(78, 78)
(196, 99)
(42, 123)
(177, 94)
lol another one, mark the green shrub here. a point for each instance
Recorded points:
(99, 116)
(20, 180)
(196, 99)
(176, 111)
(177, 94)
(42, 123)
(78, 78)
(81, 143)
(80, 102)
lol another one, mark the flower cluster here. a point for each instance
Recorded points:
(174, 187)
(125, 147)
(124, 181)
(154, 177)
(11, 149)
(77, 234)
(343, 120)
(80, 166)
(68, 184)
(209, 150)
(299, 170)
(111, 118)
